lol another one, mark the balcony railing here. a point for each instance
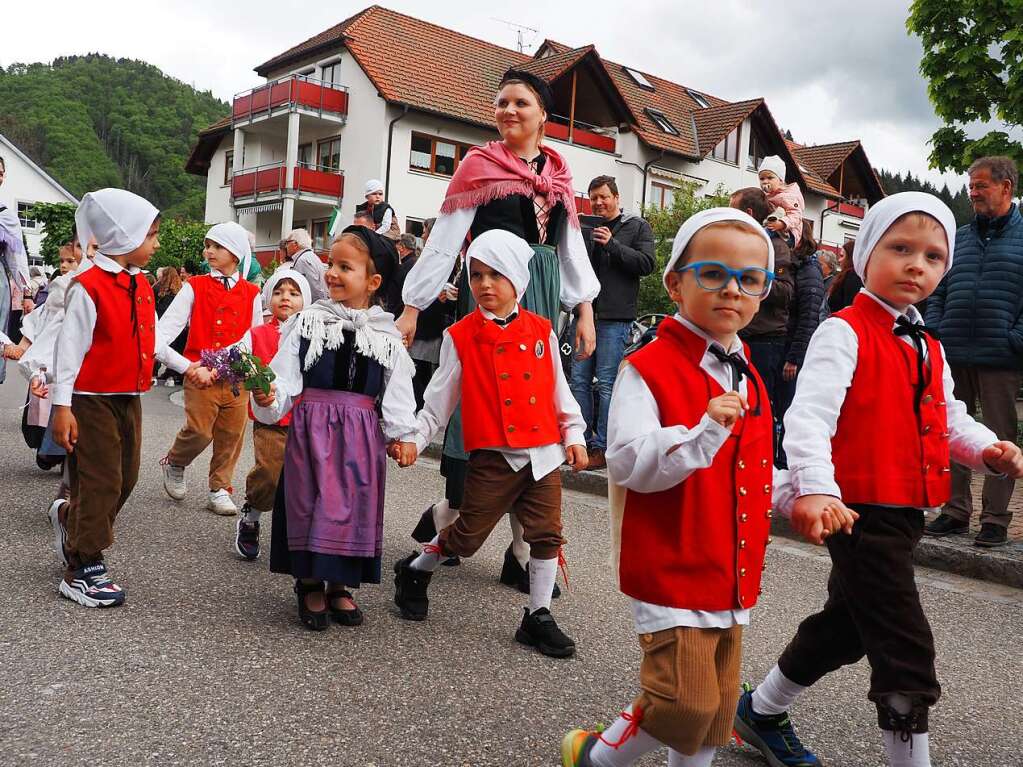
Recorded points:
(294, 90)
(272, 181)
(851, 209)
(583, 134)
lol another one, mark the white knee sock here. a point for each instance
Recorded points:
(519, 546)
(628, 750)
(429, 558)
(443, 515)
(914, 752)
(776, 693)
(701, 758)
(542, 573)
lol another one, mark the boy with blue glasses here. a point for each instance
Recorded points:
(690, 458)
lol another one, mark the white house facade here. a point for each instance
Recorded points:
(25, 184)
(387, 96)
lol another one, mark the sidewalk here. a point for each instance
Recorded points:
(954, 554)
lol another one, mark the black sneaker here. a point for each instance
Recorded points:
(991, 536)
(515, 575)
(246, 539)
(946, 524)
(410, 589)
(541, 631)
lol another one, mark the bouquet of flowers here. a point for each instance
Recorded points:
(238, 368)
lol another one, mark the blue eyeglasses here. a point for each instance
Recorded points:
(714, 276)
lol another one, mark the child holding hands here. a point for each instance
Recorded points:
(875, 363)
(690, 459)
(501, 362)
(342, 356)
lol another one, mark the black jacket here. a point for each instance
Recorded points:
(772, 318)
(628, 256)
(804, 315)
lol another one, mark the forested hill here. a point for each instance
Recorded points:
(94, 121)
(958, 201)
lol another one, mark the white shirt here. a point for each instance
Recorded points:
(445, 391)
(397, 405)
(385, 222)
(178, 315)
(644, 456)
(75, 338)
(427, 278)
(827, 373)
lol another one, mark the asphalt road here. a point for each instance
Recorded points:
(207, 664)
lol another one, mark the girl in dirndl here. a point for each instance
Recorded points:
(345, 358)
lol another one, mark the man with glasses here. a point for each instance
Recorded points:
(299, 255)
(767, 334)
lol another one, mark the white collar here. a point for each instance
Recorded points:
(736, 347)
(911, 313)
(491, 316)
(107, 264)
(218, 275)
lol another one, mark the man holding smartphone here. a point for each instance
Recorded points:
(622, 252)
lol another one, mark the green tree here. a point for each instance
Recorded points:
(666, 222)
(181, 243)
(973, 63)
(58, 220)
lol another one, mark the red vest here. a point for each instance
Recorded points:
(219, 317)
(121, 356)
(699, 545)
(883, 451)
(266, 339)
(507, 382)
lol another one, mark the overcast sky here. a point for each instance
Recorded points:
(830, 71)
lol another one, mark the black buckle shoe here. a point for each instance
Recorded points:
(946, 524)
(991, 536)
(515, 575)
(314, 620)
(410, 587)
(353, 617)
(541, 631)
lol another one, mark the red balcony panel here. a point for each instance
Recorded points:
(319, 182)
(291, 90)
(582, 205)
(242, 105)
(851, 210)
(556, 130)
(266, 256)
(257, 182)
(319, 97)
(580, 136)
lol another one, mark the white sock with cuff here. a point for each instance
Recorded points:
(443, 515)
(914, 750)
(542, 574)
(631, 743)
(776, 693)
(701, 758)
(429, 559)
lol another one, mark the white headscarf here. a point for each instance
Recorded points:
(698, 221)
(881, 216)
(288, 274)
(235, 238)
(12, 243)
(116, 218)
(506, 253)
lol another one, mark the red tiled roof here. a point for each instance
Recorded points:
(715, 123)
(327, 38)
(814, 180)
(551, 67)
(825, 158)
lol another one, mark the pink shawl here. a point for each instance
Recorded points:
(492, 172)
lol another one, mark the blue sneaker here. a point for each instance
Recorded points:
(771, 735)
(90, 586)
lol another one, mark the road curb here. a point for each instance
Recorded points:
(955, 554)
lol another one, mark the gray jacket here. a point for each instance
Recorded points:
(309, 265)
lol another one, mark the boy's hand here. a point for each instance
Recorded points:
(265, 400)
(405, 453)
(727, 408)
(65, 428)
(13, 352)
(198, 376)
(38, 388)
(577, 457)
(815, 517)
(1004, 458)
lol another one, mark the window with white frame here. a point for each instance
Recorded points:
(331, 73)
(727, 149)
(305, 155)
(27, 222)
(431, 154)
(639, 78)
(701, 101)
(321, 234)
(662, 195)
(662, 122)
(329, 154)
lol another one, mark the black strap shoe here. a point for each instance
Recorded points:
(991, 536)
(541, 631)
(410, 587)
(945, 524)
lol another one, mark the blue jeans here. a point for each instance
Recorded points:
(602, 365)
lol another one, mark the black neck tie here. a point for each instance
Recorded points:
(506, 320)
(132, 288)
(227, 282)
(906, 327)
(739, 369)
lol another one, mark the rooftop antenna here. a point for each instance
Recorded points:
(520, 29)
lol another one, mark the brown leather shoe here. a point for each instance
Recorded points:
(597, 460)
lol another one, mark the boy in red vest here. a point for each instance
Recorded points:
(875, 363)
(103, 363)
(287, 293)
(218, 308)
(521, 421)
(689, 456)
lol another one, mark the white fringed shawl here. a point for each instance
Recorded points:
(376, 336)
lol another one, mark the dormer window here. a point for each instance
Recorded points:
(639, 78)
(662, 121)
(699, 98)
